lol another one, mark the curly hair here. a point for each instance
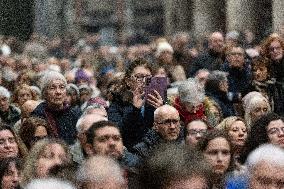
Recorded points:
(15, 96)
(265, 52)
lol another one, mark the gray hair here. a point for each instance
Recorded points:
(98, 169)
(191, 91)
(218, 75)
(49, 183)
(95, 118)
(269, 153)
(4, 92)
(50, 76)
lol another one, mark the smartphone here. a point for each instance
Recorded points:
(159, 84)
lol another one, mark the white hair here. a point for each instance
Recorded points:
(50, 76)
(267, 152)
(4, 92)
(191, 91)
(95, 118)
(250, 104)
(98, 169)
(49, 183)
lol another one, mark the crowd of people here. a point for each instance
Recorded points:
(75, 114)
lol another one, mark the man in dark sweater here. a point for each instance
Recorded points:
(61, 118)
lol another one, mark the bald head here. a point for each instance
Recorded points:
(216, 42)
(163, 110)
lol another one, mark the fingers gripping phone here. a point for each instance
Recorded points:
(159, 84)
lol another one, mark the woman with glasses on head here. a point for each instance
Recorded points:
(127, 107)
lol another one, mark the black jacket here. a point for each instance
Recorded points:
(65, 119)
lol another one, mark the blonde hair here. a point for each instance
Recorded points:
(30, 165)
(226, 124)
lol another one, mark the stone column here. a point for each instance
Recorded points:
(168, 17)
(241, 15)
(278, 14)
(208, 16)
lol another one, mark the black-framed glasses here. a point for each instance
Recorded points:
(275, 131)
(195, 132)
(141, 77)
(168, 122)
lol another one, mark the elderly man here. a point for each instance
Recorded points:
(265, 169)
(60, 116)
(9, 114)
(213, 58)
(166, 128)
(101, 172)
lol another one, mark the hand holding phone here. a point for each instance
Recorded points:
(156, 91)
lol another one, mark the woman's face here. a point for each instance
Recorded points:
(238, 133)
(275, 132)
(8, 144)
(53, 155)
(139, 77)
(259, 110)
(40, 133)
(275, 50)
(218, 154)
(260, 73)
(11, 177)
(24, 95)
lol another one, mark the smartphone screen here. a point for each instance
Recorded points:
(159, 84)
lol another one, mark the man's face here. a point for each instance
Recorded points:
(267, 176)
(56, 93)
(195, 131)
(216, 42)
(167, 125)
(8, 144)
(108, 142)
(4, 103)
(236, 57)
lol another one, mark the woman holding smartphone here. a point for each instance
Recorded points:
(128, 108)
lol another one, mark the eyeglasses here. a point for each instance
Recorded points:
(141, 77)
(275, 131)
(195, 132)
(168, 122)
(274, 48)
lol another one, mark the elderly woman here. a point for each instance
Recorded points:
(273, 49)
(189, 102)
(9, 114)
(60, 116)
(216, 89)
(237, 131)
(44, 157)
(255, 107)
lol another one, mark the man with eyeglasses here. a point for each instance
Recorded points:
(166, 128)
(194, 131)
(239, 72)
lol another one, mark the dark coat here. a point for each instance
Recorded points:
(209, 60)
(12, 116)
(65, 120)
(151, 140)
(132, 122)
(239, 80)
(222, 100)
